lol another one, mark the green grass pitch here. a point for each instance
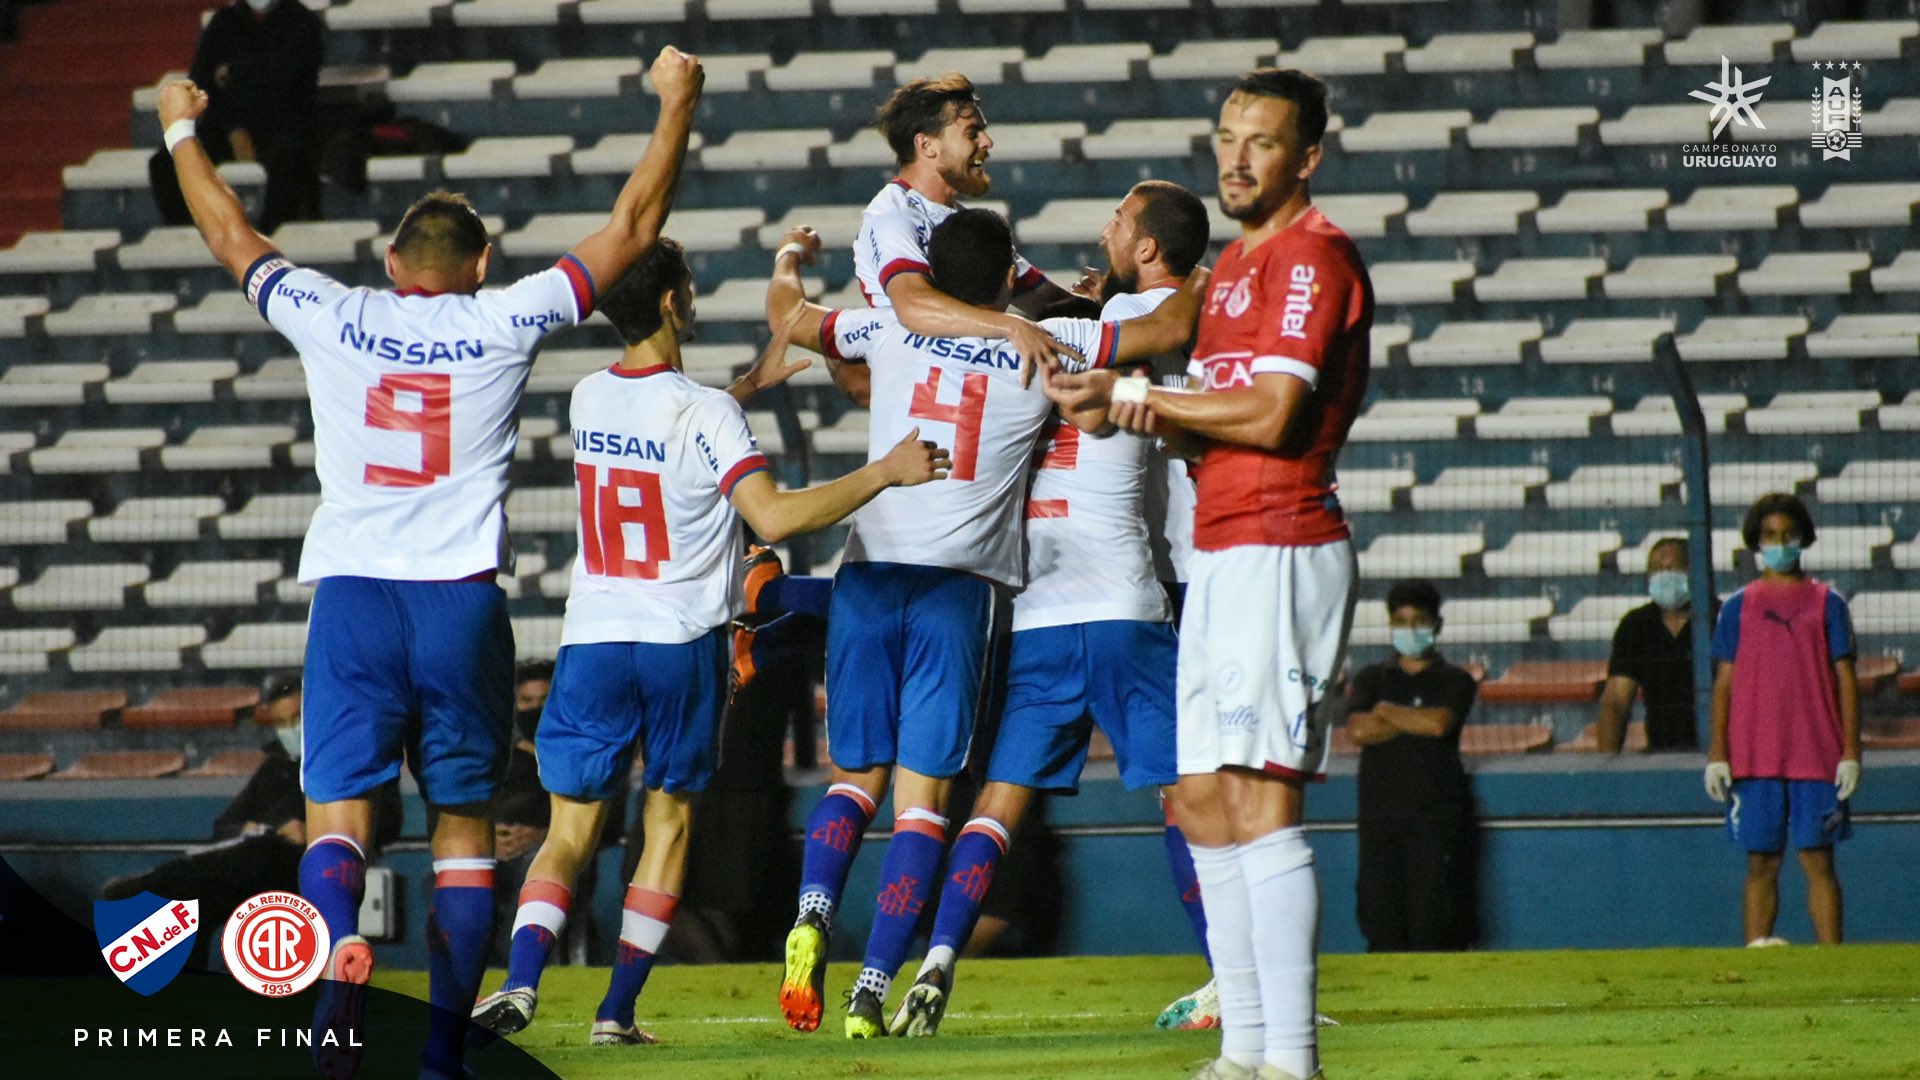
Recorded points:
(1851, 1012)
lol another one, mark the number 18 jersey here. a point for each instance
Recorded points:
(655, 459)
(415, 399)
(964, 394)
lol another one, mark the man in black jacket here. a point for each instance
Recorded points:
(259, 837)
(259, 62)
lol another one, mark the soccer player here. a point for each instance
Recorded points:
(1282, 359)
(414, 393)
(667, 469)
(1092, 635)
(910, 612)
(938, 135)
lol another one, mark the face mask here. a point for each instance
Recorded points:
(1669, 589)
(525, 721)
(1413, 641)
(290, 739)
(261, 6)
(1780, 558)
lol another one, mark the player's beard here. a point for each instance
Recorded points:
(1253, 208)
(969, 182)
(1118, 283)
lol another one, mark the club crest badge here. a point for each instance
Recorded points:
(145, 939)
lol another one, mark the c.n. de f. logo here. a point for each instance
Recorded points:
(145, 939)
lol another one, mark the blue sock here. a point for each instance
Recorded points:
(1187, 882)
(459, 927)
(805, 595)
(976, 855)
(643, 926)
(913, 858)
(536, 926)
(833, 839)
(333, 874)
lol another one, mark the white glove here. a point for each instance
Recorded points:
(1719, 780)
(1847, 779)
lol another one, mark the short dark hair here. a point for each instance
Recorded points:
(920, 108)
(280, 686)
(1307, 92)
(1176, 219)
(632, 303)
(1777, 503)
(1414, 593)
(1679, 542)
(533, 671)
(970, 254)
(440, 231)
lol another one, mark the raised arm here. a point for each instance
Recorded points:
(216, 210)
(787, 306)
(776, 515)
(641, 208)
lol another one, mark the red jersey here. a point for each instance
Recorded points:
(1299, 304)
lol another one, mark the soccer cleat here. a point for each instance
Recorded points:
(762, 566)
(744, 669)
(1270, 1071)
(504, 1012)
(924, 1005)
(803, 986)
(1768, 943)
(1222, 1068)
(337, 1039)
(866, 1015)
(1195, 1012)
(614, 1033)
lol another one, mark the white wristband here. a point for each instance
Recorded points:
(1130, 390)
(792, 246)
(178, 132)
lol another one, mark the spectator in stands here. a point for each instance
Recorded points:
(1786, 720)
(260, 835)
(1417, 833)
(259, 62)
(1653, 655)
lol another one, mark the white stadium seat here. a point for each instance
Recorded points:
(269, 517)
(281, 379)
(101, 450)
(1861, 206)
(1434, 555)
(136, 648)
(1654, 415)
(1604, 341)
(42, 521)
(215, 583)
(985, 66)
(168, 381)
(1583, 50)
(508, 12)
(1736, 484)
(1880, 482)
(1853, 337)
(114, 313)
(1085, 63)
(1744, 43)
(543, 510)
(63, 251)
(837, 225)
(1449, 54)
(17, 313)
(1593, 618)
(460, 80)
(1167, 138)
(150, 518)
(1662, 277)
(1902, 275)
(755, 151)
(80, 587)
(1539, 279)
(1418, 282)
(1837, 39)
(1599, 486)
(1371, 490)
(856, 70)
(1583, 211)
(1543, 418)
(506, 158)
(1742, 337)
(1525, 129)
(1806, 273)
(581, 77)
(1473, 213)
(27, 385)
(239, 446)
(167, 247)
(1363, 216)
(1338, 54)
(1812, 412)
(1473, 344)
(24, 652)
(1396, 132)
(223, 312)
(1723, 209)
(1474, 487)
(1549, 554)
(1207, 59)
(1657, 125)
(383, 14)
(258, 645)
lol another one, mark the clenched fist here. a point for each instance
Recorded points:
(181, 100)
(677, 77)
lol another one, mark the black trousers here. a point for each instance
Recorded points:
(292, 162)
(220, 878)
(1416, 882)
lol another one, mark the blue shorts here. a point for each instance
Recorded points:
(610, 698)
(1764, 813)
(905, 649)
(420, 668)
(1062, 680)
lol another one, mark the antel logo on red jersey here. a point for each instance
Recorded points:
(1299, 305)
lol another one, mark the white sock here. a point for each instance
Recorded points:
(1285, 900)
(1223, 893)
(939, 956)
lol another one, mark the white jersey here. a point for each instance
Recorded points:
(655, 457)
(415, 400)
(1087, 553)
(1169, 502)
(964, 394)
(893, 240)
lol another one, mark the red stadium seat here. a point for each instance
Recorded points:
(1550, 682)
(1588, 741)
(1874, 671)
(210, 707)
(1480, 740)
(25, 766)
(228, 763)
(1902, 734)
(124, 765)
(1909, 682)
(62, 710)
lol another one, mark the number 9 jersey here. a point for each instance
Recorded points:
(415, 401)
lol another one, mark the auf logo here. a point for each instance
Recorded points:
(146, 938)
(1732, 99)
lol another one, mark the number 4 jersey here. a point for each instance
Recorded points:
(965, 395)
(415, 400)
(655, 458)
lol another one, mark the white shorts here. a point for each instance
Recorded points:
(1264, 633)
